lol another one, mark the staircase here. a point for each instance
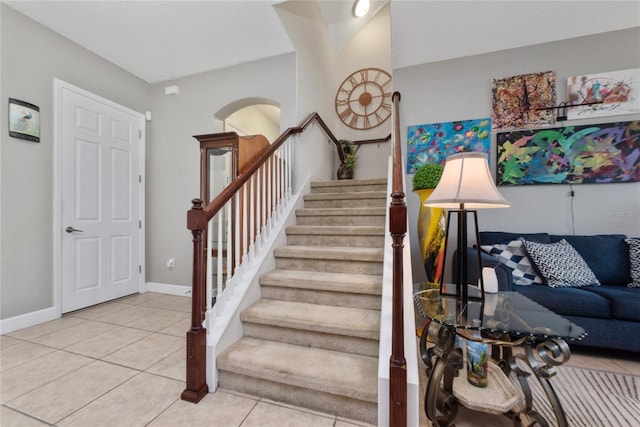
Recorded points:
(312, 340)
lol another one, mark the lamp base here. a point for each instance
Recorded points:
(461, 276)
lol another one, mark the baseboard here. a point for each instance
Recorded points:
(163, 288)
(28, 319)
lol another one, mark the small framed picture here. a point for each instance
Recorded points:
(24, 120)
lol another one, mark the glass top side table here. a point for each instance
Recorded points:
(525, 337)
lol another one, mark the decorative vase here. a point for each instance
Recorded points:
(345, 172)
(431, 235)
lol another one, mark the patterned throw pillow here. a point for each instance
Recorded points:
(560, 264)
(513, 256)
(634, 259)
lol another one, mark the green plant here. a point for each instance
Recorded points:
(345, 147)
(427, 176)
(349, 161)
(347, 153)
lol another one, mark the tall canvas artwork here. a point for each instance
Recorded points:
(599, 153)
(522, 101)
(606, 94)
(434, 142)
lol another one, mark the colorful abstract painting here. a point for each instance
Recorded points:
(433, 143)
(517, 100)
(601, 153)
(613, 93)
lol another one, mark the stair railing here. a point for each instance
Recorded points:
(397, 230)
(246, 211)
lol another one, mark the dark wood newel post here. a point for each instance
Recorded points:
(197, 336)
(398, 230)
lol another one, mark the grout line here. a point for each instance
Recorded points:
(249, 413)
(26, 414)
(98, 397)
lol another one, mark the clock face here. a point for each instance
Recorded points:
(363, 100)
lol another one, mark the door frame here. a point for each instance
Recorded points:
(58, 86)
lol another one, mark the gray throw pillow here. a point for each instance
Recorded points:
(634, 259)
(560, 264)
(512, 255)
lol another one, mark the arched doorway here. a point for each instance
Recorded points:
(256, 119)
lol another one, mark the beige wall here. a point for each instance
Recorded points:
(173, 167)
(300, 83)
(460, 89)
(32, 56)
(370, 48)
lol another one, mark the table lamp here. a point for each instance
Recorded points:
(465, 186)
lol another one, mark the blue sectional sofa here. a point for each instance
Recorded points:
(610, 312)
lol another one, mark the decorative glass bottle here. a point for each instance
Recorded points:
(477, 359)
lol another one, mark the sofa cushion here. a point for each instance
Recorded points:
(569, 301)
(512, 254)
(493, 237)
(606, 254)
(634, 260)
(625, 302)
(560, 264)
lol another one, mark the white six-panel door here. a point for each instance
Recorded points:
(100, 214)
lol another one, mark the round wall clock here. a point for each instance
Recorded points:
(363, 100)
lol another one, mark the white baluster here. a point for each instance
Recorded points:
(252, 218)
(245, 225)
(229, 246)
(219, 251)
(258, 211)
(208, 269)
(238, 239)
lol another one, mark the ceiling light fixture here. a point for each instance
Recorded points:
(360, 8)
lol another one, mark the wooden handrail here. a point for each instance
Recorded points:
(373, 141)
(213, 207)
(197, 219)
(397, 230)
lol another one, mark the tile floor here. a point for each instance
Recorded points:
(122, 363)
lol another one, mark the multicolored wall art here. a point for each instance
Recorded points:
(602, 153)
(517, 100)
(613, 93)
(433, 143)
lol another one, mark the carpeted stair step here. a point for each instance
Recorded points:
(341, 216)
(346, 199)
(338, 289)
(332, 382)
(349, 185)
(346, 329)
(333, 259)
(345, 235)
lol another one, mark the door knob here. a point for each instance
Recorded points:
(71, 230)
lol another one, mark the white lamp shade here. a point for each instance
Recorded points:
(466, 183)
